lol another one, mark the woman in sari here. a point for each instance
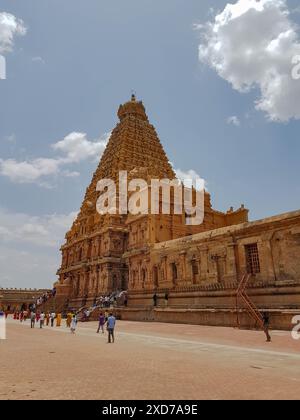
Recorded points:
(69, 319)
(47, 319)
(58, 320)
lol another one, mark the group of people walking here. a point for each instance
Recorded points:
(41, 318)
(51, 319)
(45, 319)
(45, 297)
(110, 321)
(107, 301)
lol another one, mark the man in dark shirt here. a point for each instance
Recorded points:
(111, 322)
(266, 320)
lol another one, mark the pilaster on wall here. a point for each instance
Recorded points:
(232, 262)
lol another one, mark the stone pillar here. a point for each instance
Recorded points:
(231, 263)
(82, 284)
(266, 259)
(98, 247)
(166, 271)
(183, 272)
(86, 282)
(203, 273)
(97, 280)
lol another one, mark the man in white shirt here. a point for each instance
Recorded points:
(52, 318)
(42, 319)
(32, 319)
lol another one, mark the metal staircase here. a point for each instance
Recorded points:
(252, 310)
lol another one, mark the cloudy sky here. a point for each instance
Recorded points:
(219, 82)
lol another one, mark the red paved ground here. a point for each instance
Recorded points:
(148, 361)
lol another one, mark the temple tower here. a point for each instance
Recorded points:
(99, 249)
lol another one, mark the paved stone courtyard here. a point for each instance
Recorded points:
(147, 361)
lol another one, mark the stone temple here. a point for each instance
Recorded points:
(199, 266)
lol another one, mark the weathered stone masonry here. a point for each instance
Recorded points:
(199, 266)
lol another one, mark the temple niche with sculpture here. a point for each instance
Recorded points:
(197, 265)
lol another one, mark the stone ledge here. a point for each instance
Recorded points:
(279, 319)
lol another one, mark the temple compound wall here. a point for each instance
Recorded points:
(13, 299)
(268, 249)
(201, 272)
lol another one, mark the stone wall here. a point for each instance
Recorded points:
(15, 298)
(203, 270)
(279, 319)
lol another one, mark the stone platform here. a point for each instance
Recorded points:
(279, 319)
(215, 305)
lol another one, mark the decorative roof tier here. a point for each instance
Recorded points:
(133, 108)
(134, 147)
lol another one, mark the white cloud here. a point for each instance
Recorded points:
(4, 232)
(189, 178)
(75, 147)
(10, 26)
(23, 269)
(34, 229)
(251, 44)
(28, 171)
(234, 120)
(11, 138)
(38, 59)
(29, 246)
(70, 174)
(43, 231)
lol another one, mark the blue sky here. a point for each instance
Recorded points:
(79, 60)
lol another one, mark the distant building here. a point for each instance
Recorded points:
(16, 299)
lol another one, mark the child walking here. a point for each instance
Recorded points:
(73, 324)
